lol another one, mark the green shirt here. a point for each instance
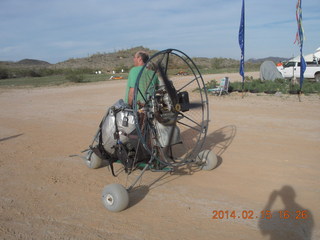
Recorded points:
(147, 82)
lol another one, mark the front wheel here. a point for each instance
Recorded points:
(207, 160)
(317, 77)
(115, 197)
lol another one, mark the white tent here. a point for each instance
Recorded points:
(308, 58)
(269, 71)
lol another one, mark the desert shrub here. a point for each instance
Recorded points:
(254, 86)
(309, 87)
(279, 85)
(235, 87)
(20, 72)
(211, 84)
(4, 74)
(34, 73)
(75, 77)
(47, 72)
(270, 87)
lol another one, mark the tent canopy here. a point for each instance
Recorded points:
(308, 58)
(269, 71)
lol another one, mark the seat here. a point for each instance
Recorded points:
(222, 88)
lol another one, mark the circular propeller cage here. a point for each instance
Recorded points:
(170, 106)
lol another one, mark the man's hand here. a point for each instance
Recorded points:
(273, 196)
(140, 104)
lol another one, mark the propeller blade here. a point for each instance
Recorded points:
(170, 89)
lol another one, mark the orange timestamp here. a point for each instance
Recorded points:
(265, 214)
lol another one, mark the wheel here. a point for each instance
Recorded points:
(93, 161)
(171, 111)
(115, 197)
(207, 160)
(317, 77)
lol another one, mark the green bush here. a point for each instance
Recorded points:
(211, 84)
(4, 74)
(20, 72)
(235, 87)
(310, 87)
(279, 85)
(75, 77)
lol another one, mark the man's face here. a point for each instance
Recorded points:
(137, 60)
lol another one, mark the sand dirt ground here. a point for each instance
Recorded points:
(269, 160)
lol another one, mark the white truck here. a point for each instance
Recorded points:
(292, 68)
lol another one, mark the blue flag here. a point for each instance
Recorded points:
(303, 66)
(241, 42)
(299, 39)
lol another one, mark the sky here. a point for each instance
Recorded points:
(57, 30)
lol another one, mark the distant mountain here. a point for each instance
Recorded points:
(273, 59)
(25, 63)
(32, 62)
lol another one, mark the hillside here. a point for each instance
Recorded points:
(122, 59)
(25, 63)
(273, 59)
(33, 62)
(105, 61)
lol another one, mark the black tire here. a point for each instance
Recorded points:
(93, 161)
(207, 160)
(317, 77)
(115, 197)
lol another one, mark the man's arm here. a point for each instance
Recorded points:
(130, 96)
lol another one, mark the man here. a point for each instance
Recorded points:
(293, 222)
(147, 80)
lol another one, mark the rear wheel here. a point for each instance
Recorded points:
(93, 161)
(207, 160)
(115, 197)
(317, 77)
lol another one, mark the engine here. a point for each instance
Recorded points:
(165, 111)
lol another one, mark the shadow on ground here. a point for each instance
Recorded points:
(293, 222)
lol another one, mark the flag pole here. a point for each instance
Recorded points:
(241, 39)
(300, 39)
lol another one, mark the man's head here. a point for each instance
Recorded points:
(140, 58)
(287, 194)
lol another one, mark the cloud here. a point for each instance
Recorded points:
(8, 49)
(73, 44)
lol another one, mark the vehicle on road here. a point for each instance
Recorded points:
(291, 69)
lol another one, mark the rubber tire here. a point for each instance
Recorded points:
(94, 162)
(115, 197)
(317, 77)
(208, 160)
